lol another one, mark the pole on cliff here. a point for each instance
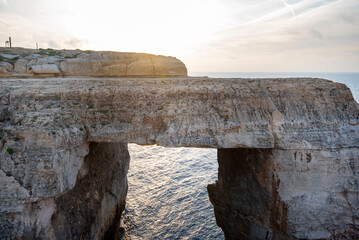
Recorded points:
(10, 41)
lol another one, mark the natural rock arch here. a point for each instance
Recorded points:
(288, 145)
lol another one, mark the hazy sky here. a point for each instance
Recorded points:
(207, 35)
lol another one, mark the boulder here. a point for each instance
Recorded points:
(45, 69)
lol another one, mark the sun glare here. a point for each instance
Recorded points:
(172, 29)
(208, 35)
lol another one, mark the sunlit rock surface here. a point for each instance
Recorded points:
(288, 151)
(20, 62)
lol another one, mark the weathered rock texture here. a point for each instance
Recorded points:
(20, 62)
(286, 194)
(90, 210)
(293, 174)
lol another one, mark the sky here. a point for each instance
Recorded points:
(207, 35)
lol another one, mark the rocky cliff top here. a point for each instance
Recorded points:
(30, 63)
(194, 112)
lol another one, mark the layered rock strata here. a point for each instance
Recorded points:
(288, 150)
(20, 62)
(287, 194)
(90, 210)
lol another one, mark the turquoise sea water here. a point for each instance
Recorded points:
(167, 196)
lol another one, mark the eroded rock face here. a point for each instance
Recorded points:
(98, 198)
(20, 62)
(297, 143)
(242, 196)
(87, 211)
(193, 112)
(287, 194)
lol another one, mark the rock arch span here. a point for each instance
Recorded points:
(287, 150)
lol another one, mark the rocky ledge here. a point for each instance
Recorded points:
(29, 63)
(288, 152)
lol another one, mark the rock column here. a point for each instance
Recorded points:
(287, 194)
(245, 200)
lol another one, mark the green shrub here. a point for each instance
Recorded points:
(42, 52)
(7, 51)
(9, 151)
(102, 111)
(25, 54)
(163, 105)
(73, 56)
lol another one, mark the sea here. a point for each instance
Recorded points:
(167, 195)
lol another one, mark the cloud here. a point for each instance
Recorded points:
(33, 21)
(323, 36)
(75, 43)
(53, 44)
(221, 35)
(289, 7)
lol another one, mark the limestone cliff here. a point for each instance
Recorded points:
(90, 210)
(20, 62)
(288, 151)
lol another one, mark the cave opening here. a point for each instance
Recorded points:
(167, 195)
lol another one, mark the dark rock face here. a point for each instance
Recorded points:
(92, 209)
(245, 200)
(282, 194)
(89, 209)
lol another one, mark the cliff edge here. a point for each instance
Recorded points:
(29, 63)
